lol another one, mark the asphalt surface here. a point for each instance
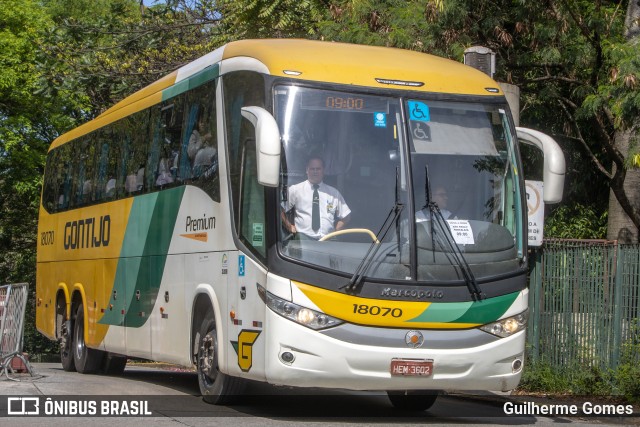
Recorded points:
(171, 397)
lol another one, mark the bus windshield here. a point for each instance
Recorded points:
(363, 172)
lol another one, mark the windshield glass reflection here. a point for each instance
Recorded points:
(345, 185)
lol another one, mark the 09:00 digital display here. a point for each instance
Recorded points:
(344, 103)
(326, 100)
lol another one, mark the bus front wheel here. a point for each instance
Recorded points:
(87, 360)
(412, 400)
(215, 387)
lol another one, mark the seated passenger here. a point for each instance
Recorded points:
(205, 158)
(164, 175)
(200, 136)
(110, 189)
(440, 198)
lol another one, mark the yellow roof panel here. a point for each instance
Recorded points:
(362, 65)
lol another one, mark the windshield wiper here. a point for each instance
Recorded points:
(451, 249)
(368, 258)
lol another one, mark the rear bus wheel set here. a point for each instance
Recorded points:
(87, 360)
(74, 353)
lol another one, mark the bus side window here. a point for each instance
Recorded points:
(65, 186)
(153, 152)
(83, 172)
(135, 133)
(199, 152)
(101, 175)
(52, 181)
(252, 209)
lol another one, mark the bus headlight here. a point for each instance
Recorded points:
(509, 326)
(304, 316)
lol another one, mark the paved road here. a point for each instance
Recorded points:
(173, 397)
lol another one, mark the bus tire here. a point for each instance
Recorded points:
(113, 365)
(216, 388)
(412, 400)
(87, 360)
(66, 346)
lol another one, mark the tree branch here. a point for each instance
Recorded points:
(556, 78)
(584, 144)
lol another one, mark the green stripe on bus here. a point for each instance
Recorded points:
(198, 79)
(130, 256)
(479, 312)
(154, 256)
(143, 256)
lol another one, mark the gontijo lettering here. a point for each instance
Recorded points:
(87, 233)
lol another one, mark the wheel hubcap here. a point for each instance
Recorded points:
(79, 339)
(208, 367)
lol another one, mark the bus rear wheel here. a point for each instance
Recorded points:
(87, 360)
(412, 400)
(66, 345)
(215, 387)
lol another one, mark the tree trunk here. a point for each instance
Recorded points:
(632, 27)
(620, 227)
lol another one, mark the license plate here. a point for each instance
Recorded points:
(411, 368)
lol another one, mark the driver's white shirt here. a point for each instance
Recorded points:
(332, 207)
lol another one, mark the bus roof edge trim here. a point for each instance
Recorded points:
(199, 64)
(244, 63)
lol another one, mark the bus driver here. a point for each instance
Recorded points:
(319, 208)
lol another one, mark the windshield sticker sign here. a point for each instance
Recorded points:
(461, 230)
(420, 131)
(380, 120)
(257, 237)
(418, 111)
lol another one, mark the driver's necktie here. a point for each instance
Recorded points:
(315, 211)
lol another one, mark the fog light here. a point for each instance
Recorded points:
(516, 366)
(287, 357)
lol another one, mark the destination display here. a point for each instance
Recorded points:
(324, 100)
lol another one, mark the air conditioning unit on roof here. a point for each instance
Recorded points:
(481, 58)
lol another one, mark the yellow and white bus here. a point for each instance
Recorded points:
(162, 235)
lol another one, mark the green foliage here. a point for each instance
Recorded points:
(624, 381)
(576, 222)
(269, 18)
(540, 377)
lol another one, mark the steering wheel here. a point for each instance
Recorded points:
(350, 231)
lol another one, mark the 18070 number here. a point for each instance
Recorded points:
(374, 310)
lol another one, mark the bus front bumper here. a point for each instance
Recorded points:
(317, 360)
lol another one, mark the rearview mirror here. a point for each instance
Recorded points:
(267, 144)
(554, 165)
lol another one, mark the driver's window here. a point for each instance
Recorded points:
(252, 206)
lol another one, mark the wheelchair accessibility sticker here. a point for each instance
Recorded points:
(241, 265)
(418, 111)
(421, 131)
